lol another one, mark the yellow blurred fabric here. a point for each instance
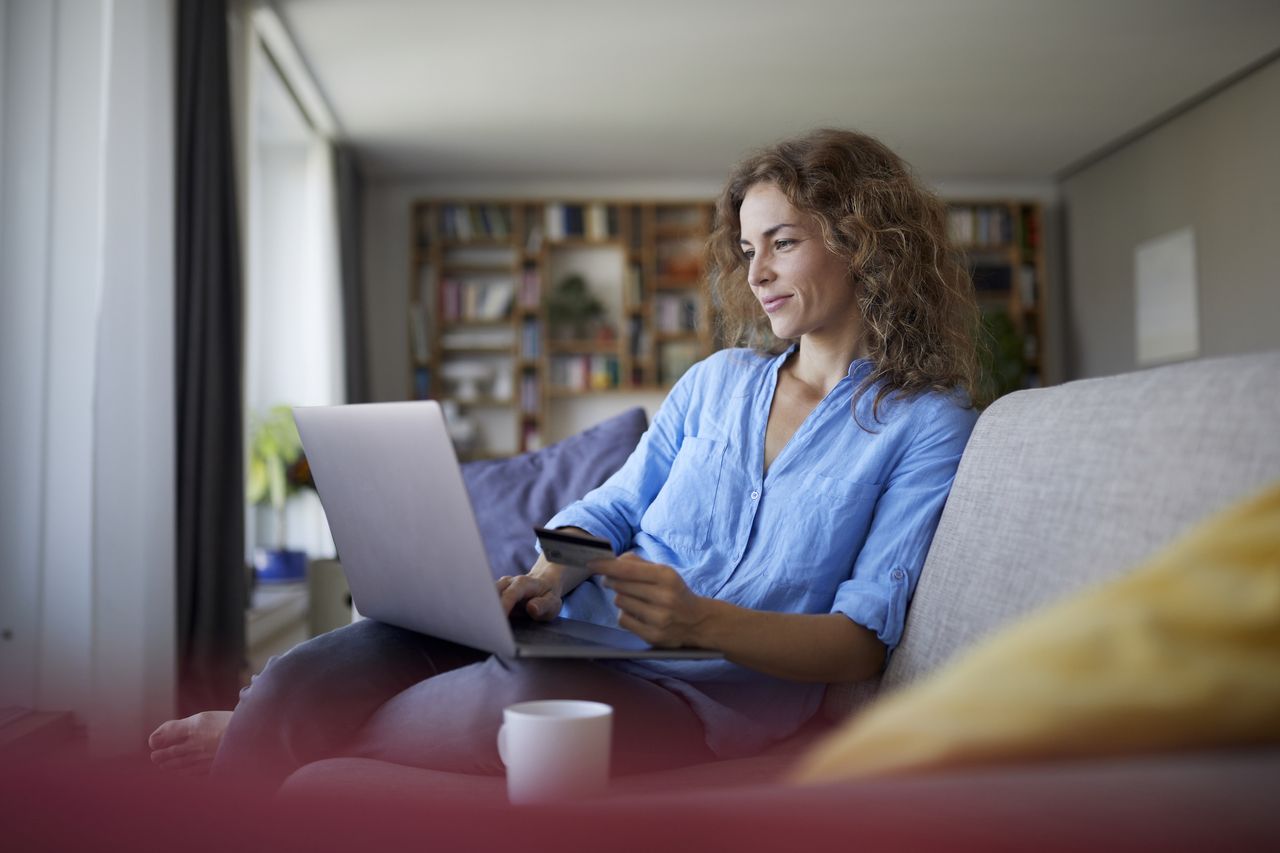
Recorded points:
(1183, 652)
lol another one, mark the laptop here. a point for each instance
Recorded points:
(405, 532)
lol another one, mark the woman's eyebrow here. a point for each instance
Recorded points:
(769, 232)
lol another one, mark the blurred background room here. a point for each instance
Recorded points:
(213, 210)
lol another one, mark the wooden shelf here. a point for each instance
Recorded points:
(585, 243)
(582, 348)
(480, 402)
(480, 269)
(449, 352)
(476, 243)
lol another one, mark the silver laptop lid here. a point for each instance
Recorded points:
(402, 520)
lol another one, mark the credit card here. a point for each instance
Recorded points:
(572, 549)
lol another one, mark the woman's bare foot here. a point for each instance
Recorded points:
(188, 745)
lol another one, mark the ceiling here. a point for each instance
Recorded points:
(964, 89)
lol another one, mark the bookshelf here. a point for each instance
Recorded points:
(490, 336)
(492, 332)
(1003, 244)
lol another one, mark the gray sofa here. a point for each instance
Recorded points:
(1059, 488)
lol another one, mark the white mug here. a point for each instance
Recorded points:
(555, 749)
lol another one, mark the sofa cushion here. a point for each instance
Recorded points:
(1067, 486)
(1182, 653)
(510, 496)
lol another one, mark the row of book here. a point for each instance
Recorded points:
(475, 221)
(639, 341)
(680, 260)
(675, 312)
(593, 221)
(530, 339)
(530, 394)
(986, 226)
(463, 299)
(634, 284)
(422, 382)
(584, 372)
(1000, 278)
(530, 288)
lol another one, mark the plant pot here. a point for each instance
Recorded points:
(273, 565)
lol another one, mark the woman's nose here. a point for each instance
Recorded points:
(758, 273)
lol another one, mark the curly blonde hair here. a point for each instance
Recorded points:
(920, 316)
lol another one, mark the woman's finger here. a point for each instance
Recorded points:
(635, 626)
(544, 607)
(637, 589)
(642, 610)
(626, 567)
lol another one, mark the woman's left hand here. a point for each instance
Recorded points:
(656, 603)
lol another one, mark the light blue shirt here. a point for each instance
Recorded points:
(840, 523)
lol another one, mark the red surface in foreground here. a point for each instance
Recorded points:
(1200, 802)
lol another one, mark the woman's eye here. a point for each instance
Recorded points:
(748, 253)
(783, 244)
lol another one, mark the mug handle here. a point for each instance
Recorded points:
(502, 743)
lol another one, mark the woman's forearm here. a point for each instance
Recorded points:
(563, 578)
(802, 647)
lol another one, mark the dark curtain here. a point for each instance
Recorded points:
(210, 490)
(350, 194)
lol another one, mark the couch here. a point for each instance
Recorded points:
(1059, 488)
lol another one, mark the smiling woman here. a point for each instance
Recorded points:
(850, 194)
(759, 516)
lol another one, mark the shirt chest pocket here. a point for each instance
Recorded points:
(680, 514)
(835, 519)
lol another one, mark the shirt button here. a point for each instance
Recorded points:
(755, 495)
(899, 574)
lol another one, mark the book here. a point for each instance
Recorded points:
(418, 327)
(422, 383)
(1027, 286)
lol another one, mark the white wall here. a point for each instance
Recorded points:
(1215, 168)
(86, 355)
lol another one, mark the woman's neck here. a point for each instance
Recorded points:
(821, 364)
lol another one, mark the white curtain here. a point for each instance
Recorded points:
(294, 346)
(86, 363)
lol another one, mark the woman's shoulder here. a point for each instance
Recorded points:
(930, 410)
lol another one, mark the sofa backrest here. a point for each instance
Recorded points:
(1067, 486)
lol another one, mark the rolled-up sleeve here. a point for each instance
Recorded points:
(613, 509)
(906, 515)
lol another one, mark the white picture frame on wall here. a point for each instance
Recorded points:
(1166, 295)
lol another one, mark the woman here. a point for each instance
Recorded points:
(778, 509)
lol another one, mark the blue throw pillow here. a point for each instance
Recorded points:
(512, 496)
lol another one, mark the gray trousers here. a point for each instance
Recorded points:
(373, 690)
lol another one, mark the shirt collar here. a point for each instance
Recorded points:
(857, 367)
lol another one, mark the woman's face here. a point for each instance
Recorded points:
(803, 288)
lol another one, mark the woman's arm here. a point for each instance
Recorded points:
(545, 586)
(657, 605)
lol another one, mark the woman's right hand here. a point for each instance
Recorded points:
(539, 595)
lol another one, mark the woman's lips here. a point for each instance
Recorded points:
(773, 303)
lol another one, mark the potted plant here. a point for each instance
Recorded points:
(277, 470)
(573, 309)
(1003, 365)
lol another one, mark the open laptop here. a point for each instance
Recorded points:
(402, 521)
